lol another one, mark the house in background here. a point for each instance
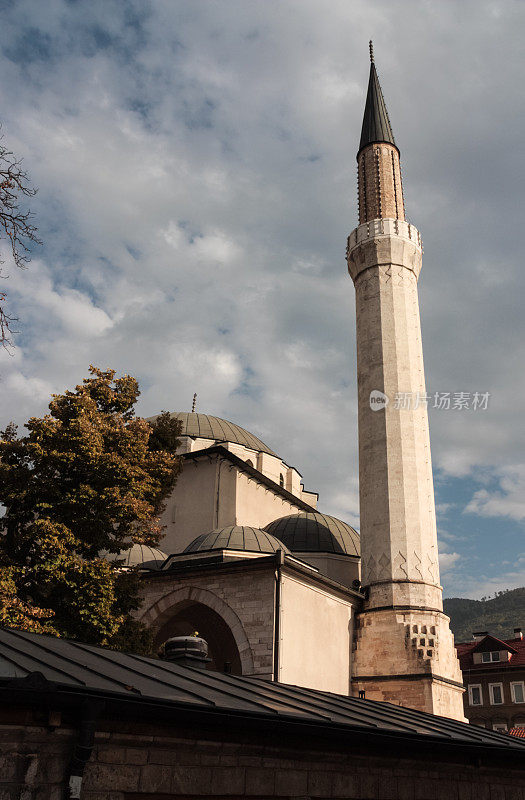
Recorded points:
(494, 676)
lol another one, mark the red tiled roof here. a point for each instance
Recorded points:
(519, 732)
(466, 649)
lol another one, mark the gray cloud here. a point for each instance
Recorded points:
(196, 165)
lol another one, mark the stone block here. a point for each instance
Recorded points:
(227, 780)
(319, 784)
(109, 777)
(111, 755)
(259, 781)
(135, 755)
(155, 778)
(191, 780)
(345, 785)
(292, 782)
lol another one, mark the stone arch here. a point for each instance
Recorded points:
(163, 609)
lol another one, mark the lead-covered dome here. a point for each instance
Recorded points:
(203, 426)
(140, 555)
(313, 532)
(237, 537)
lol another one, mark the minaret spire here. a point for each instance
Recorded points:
(376, 122)
(379, 171)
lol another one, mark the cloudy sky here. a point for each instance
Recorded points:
(197, 180)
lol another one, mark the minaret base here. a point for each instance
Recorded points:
(407, 657)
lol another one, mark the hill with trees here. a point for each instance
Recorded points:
(498, 615)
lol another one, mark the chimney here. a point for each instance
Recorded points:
(517, 633)
(478, 635)
(187, 651)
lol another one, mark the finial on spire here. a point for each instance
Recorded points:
(194, 403)
(371, 48)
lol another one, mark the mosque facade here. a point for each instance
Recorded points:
(281, 591)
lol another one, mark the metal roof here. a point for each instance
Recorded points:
(376, 123)
(237, 537)
(204, 426)
(313, 532)
(75, 668)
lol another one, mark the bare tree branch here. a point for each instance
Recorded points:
(15, 226)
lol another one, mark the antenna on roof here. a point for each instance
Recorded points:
(371, 48)
(194, 403)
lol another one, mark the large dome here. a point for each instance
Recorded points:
(313, 532)
(205, 427)
(237, 537)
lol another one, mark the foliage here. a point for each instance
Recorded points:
(89, 479)
(15, 225)
(499, 615)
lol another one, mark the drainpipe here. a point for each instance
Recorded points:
(279, 561)
(89, 715)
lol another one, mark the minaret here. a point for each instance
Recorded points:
(404, 648)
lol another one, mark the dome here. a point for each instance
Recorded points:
(313, 532)
(205, 427)
(237, 537)
(140, 555)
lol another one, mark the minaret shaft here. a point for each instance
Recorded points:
(404, 650)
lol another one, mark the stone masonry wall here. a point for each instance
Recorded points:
(156, 763)
(243, 598)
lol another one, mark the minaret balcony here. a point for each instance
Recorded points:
(384, 241)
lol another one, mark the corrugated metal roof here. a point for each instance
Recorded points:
(74, 666)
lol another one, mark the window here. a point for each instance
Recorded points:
(499, 726)
(281, 479)
(494, 655)
(475, 697)
(517, 692)
(496, 693)
(249, 462)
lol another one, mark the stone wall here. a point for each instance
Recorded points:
(244, 598)
(152, 762)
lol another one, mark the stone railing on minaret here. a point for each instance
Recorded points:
(404, 648)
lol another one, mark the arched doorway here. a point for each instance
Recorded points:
(189, 618)
(186, 609)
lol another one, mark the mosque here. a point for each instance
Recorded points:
(287, 594)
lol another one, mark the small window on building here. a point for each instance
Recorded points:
(249, 462)
(518, 692)
(494, 655)
(422, 642)
(499, 726)
(281, 479)
(433, 630)
(496, 693)
(414, 629)
(474, 695)
(424, 629)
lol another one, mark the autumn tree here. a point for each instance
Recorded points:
(87, 481)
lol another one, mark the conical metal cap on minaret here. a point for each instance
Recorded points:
(376, 124)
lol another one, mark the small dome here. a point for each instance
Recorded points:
(237, 537)
(140, 555)
(313, 532)
(203, 426)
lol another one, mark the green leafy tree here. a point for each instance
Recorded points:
(89, 478)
